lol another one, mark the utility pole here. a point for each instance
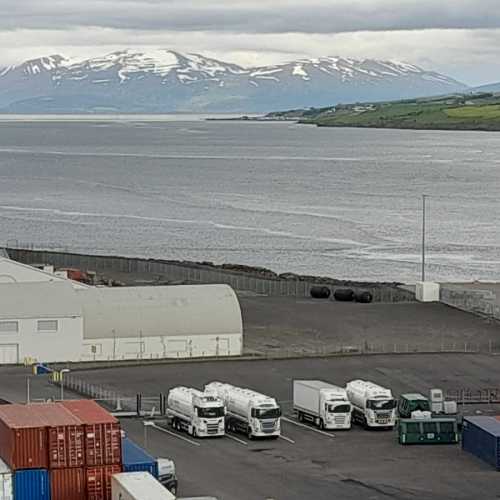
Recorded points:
(424, 199)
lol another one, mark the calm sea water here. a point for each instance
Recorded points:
(338, 202)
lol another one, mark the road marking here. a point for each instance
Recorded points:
(308, 427)
(166, 431)
(238, 440)
(287, 439)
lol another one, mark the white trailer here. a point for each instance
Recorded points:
(372, 405)
(138, 486)
(247, 411)
(200, 414)
(323, 404)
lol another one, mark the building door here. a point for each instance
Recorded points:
(9, 354)
(222, 346)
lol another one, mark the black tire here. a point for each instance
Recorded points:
(321, 424)
(301, 417)
(194, 433)
(249, 434)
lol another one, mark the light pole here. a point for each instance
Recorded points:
(28, 395)
(61, 374)
(147, 423)
(424, 199)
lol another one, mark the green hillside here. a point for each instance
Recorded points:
(458, 112)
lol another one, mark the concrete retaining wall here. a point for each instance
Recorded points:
(198, 273)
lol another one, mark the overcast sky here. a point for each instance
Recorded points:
(458, 37)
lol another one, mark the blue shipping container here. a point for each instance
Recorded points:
(31, 483)
(481, 437)
(135, 459)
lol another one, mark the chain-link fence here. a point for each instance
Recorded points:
(205, 274)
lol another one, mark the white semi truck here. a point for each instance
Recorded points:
(247, 411)
(200, 414)
(323, 404)
(372, 405)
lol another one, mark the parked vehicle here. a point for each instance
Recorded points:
(200, 414)
(136, 459)
(372, 405)
(247, 411)
(137, 486)
(408, 404)
(323, 404)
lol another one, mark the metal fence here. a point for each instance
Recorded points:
(367, 348)
(114, 401)
(198, 273)
(480, 302)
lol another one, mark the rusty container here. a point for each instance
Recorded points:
(102, 432)
(68, 484)
(65, 436)
(99, 481)
(23, 438)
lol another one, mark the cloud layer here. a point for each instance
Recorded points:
(460, 37)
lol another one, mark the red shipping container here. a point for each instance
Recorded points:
(67, 484)
(23, 438)
(99, 481)
(103, 444)
(65, 436)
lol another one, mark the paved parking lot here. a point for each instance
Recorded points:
(308, 465)
(276, 324)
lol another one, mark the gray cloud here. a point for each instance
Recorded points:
(458, 37)
(258, 16)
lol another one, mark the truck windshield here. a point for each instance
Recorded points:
(339, 408)
(381, 404)
(420, 405)
(217, 411)
(266, 413)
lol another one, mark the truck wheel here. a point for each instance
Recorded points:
(194, 433)
(249, 434)
(321, 424)
(301, 416)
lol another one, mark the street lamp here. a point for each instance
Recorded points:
(424, 199)
(147, 423)
(61, 375)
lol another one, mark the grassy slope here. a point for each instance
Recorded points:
(481, 112)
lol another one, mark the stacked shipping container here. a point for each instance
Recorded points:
(74, 446)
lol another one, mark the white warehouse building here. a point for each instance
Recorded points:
(56, 321)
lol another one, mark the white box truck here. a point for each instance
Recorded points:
(138, 486)
(323, 404)
(372, 405)
(247, 411)
(200, 414)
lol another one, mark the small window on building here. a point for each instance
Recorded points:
(45, 325)
(9, 327)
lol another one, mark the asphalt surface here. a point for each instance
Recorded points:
(355, 464)
(307, 325)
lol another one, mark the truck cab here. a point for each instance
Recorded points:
(199, 414)
(413, 402)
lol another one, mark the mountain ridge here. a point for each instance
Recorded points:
(160, 80)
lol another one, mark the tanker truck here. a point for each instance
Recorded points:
(323, 404)
(195, 412)
(372, 405)
(247, 411)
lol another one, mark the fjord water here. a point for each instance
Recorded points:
(339, 202)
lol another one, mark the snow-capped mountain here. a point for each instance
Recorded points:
(166, 81)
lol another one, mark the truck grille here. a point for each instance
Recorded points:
(339, 420)
(212, 428)
(268, 425)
